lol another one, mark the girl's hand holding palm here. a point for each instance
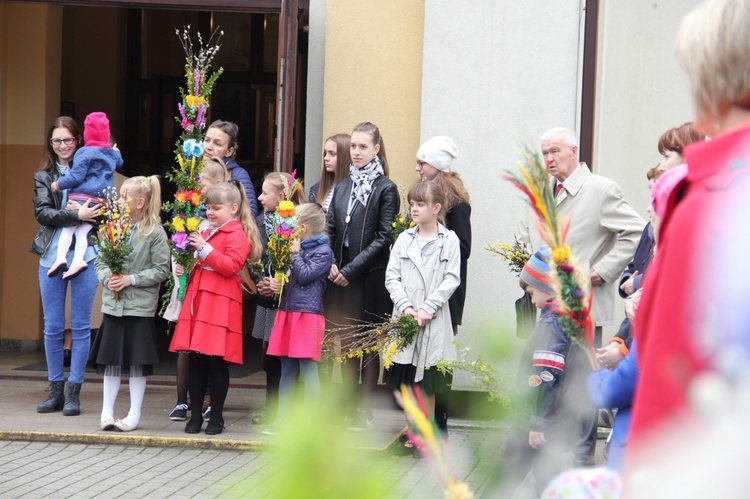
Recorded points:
(197, 240)
(118, 283)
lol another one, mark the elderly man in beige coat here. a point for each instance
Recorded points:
(604, 228)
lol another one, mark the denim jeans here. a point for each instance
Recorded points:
(289, 369)
(54, 291)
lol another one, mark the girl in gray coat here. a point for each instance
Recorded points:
(422, 274)
(126, 343)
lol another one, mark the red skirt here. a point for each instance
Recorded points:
(298, 335)
(213, 328)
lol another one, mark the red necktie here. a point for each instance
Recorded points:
(558, 188)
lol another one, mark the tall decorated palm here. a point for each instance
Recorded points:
(192, 111)
(572, 286)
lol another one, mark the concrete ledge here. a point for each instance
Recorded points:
(115, 438)
(121, 439)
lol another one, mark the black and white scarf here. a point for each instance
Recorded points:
(363, 179)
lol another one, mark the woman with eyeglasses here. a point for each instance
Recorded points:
(54, 211)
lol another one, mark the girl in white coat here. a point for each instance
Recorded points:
(423, 271)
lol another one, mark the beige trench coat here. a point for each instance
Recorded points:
(406, 281)
(604, 231)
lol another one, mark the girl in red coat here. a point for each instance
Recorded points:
(210, 323)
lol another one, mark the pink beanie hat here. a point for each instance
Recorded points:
(663, 186)
(96, 130)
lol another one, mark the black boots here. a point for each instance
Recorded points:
(56, 398)
(72, 403)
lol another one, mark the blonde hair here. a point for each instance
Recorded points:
(149, 189)
(280, 182)
(230, 193)
(712, 46)
(215, 169)
(312, 216)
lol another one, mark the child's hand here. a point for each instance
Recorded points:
(178, 269)
(197, 240)
(423, 317)
(536, 439)
(295, 247)
(264, 288)
(410, 311)
(609, 356)
(54, 187)
(118, 283)
(274, 285)
(627, 286)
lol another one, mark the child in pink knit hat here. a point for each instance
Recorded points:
(92, 173)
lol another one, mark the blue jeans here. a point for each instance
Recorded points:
(53, 291)
(289, 369)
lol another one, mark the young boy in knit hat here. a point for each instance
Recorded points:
(551, 388)
(93, 171)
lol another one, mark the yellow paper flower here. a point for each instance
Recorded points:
(181, 196)
(561, 254)
(285, 209)
(194, 100)
(192, 224)
(178, 224)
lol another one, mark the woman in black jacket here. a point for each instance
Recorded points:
(359, 217)
(63, 138)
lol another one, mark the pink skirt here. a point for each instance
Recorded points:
(297, 334)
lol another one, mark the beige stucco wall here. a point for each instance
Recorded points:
(31, 39)
(373, 54)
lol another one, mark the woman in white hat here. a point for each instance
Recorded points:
(434, 160)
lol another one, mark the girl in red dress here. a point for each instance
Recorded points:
(210, 323)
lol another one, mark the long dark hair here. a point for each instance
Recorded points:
(343, 158)
(50, 157)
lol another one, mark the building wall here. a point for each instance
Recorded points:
(316, 66)
(31, 41)
(641, 90)
(496, 75)
(373, 72)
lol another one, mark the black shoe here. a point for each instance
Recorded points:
(214, 427)
(194, 425)
(55, 400)
(72, 401)
(66, 357)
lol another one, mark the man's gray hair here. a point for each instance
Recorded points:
(568, 135)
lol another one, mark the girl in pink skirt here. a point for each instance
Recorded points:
(297, 335)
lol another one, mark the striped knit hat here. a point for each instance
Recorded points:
(536, 272)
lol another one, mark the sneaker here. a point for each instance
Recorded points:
(207, 414)
(605, 418)
(271, 430)
(179, 413)
(363, 421)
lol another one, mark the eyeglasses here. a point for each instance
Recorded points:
(58, 142)
(420, 164)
